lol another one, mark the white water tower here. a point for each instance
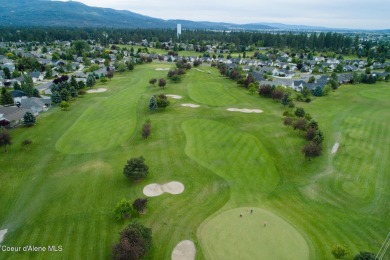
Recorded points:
(178, 30)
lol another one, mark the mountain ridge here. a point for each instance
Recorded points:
(76, 14)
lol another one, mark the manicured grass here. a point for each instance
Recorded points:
(237, 157)
(208, 89)
(63, 190)
(257, 235)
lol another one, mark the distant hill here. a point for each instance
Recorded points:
(75, 14)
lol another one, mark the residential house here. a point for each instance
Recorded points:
(34, 105)
(11, 116)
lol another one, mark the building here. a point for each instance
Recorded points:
(178, 30)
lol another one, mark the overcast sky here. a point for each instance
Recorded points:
(362, 14)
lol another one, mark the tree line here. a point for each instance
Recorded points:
(238, 40)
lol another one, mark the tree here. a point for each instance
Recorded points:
(300, 124)
(134, 243)
(140, 205)
(17, 86)
(153, 81)
(123, 209)
(339, 251)
(110, 74)
(285, 99)
(305, 92)
(300, 112)
(162, 101)
(26, 144)
(365, 256)
(311, 150)
(130, 65)
(146, 129)
(252, 88)
(312, 79)
(64, 105)
(6, 98)
(318, 91)
(64, 94)
(7, 73)
(73, 92)
(29, 119)
(153, 103)
(162, 83)
(91, 80)
(310, 133)
(277, 94)
(55, 97)
(136, 169)
(318, 137)
(5, 139)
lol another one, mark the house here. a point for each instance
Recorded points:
(33, 104)
(11, 116)
(10, 66)
(37, 76)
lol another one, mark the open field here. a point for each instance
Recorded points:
(63, 190)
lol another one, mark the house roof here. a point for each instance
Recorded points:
(18, 93)
(12, 113)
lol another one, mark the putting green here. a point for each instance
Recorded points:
(229, 236)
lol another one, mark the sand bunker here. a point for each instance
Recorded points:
(174, 96)
(335, 147)
(162, 69)
(190, 105)
(154, 189)
(185, 250)
(245, 110)
(2, 234)
(99, 90)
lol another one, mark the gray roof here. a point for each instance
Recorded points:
(12, 113)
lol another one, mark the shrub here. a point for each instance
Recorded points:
(123, 209)
(134, 243)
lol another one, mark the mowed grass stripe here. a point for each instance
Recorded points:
(235, 156)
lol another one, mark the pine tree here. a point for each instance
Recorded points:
(153, 104)
(29, 119)
(55, 97)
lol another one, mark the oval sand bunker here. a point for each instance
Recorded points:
(245, 110)
(154, 189)
(174, 96)
(185, 250)
(190, 105)
(99, 90)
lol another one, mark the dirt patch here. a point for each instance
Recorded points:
(162, 69)
(174, 96)
(154, 189)
(245, 110)
(2, 234)
(185, 250)
(335, 148)
(190, 105)
(99, 90)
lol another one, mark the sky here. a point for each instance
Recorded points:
(353, 14)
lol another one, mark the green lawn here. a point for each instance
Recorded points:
(256, 235)
(63, 190)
